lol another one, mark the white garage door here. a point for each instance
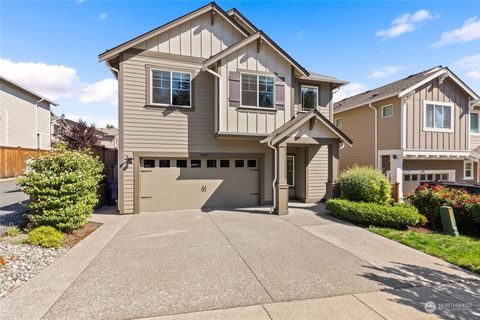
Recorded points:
(413, 179)
(176, 184)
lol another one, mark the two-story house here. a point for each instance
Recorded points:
(213, 113)
(424, 127)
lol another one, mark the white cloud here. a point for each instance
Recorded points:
(301, 34)
(407, 22)
(384, 72)
(100, 122)
(102, 16)
(104, 91)
(471, 64)
(349, 90)
(470, 31)
(52, 81)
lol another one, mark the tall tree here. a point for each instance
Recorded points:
(79, 135)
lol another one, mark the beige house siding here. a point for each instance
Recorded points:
(447, 91)
(359, 124)
(250, 120)
(475, 138)
(317, 172)
(389, 129)
(325, 105)
(176, 130)
(456, 165)
(21, 119)
(196, 37)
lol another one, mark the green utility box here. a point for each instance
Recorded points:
(448, 221)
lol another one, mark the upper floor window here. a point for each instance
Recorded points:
(438, 116)
(467, 170)
(258, 90)
(387, 111)
(474, 123)
(309, 98)
(170, 88)
(339, 123)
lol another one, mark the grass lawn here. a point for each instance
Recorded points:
(462, 251)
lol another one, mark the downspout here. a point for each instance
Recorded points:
(219, 93)
(376, 137)
(275, 176)
(36, 122)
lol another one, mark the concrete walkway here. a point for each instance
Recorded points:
(242, 264)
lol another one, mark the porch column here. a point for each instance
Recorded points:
(281, 205)
(396, 172)
(333, 188)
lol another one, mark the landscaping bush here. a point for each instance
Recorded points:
(12, 231)
(62, 186)
(393, 216)
(429, 198)
(45, 236)
(365, 184)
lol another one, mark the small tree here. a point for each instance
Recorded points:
(110, 126)
(80, 136)
(62, 186)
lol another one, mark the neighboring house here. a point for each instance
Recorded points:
(109, 137)
(424, 127)
(24, 117)
(213, 113)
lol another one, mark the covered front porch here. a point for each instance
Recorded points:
(306, 160)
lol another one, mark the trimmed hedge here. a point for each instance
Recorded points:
(365, 184)
(392, 216)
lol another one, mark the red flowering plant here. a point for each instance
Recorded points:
(428, 198)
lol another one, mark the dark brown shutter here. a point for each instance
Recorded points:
(234, 88)
(279, 93)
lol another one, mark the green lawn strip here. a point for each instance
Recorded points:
(462, 251)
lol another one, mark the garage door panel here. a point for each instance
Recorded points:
(191, 188)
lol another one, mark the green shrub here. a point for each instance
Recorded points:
(62, 186)
(422, 220)
(365, 184)
(392, 216)
(12, 231)
(45, 236)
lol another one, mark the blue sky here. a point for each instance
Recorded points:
(52, 46)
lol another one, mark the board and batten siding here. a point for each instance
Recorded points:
(236, 119)
(447, 91)
(179, 130)
(325, 105)
(21, 119)
(389, 129)
(196, 38)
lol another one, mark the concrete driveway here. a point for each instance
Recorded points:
(256, 266)
(12, 204)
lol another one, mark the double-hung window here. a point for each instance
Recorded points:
(438, 116)
(474, 123)
(258, 90)
(170, 88)
(387, 111)
(309, 98)
(468, 170)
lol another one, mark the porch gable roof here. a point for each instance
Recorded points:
(295, 123)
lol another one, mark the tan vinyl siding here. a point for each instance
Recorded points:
(317, 173)
(196, 38)
(389, 129)
(153, 129)
(448, 91)
(18, 121)
(359, 124)
(475, 138)
(249, 120)
(456, 165)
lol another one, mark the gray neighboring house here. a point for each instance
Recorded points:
(213, 113)
(424, 127)
(109, 137)
(24, 117)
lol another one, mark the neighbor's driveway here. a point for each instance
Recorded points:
(189, 261)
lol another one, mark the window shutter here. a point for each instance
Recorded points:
(234, 88)
(279, 93)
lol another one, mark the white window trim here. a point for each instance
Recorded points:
(171, 86)
(258, 91)
(386, 106)
(474, 133)
(465, 177)
(446, 104)
(293, 157)
(301, 94)
(336, 125)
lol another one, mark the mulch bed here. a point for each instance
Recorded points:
(74, 237)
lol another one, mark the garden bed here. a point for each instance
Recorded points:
(462, 251)
(19, 261)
